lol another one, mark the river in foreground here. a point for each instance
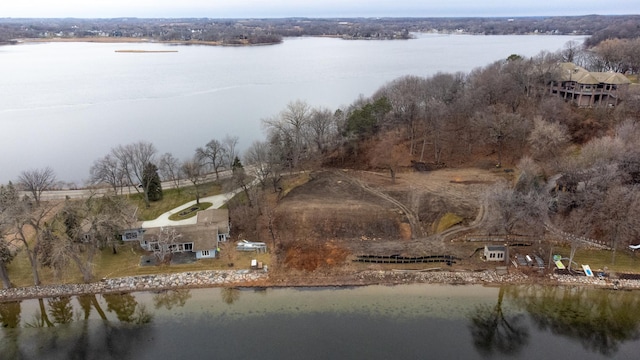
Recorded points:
(373, 322)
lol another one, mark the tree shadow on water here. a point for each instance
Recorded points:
(494, 332)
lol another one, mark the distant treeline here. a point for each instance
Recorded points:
(256, 31)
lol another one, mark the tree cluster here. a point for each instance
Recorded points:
(130, 166)
(55, 236)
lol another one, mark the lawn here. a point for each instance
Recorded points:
(190, 211)
(173, 198)
(127, 263)
(625, 261)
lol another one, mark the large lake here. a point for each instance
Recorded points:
(373, 322)
(65, 105)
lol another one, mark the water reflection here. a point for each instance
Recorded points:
(10, 320)
(601, 320)
(230, 295)
(127, 308)
(494, 331)
(461, 322)
(60, 309)
(169, 298)
(10, 314)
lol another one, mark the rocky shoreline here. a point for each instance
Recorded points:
(192, 279)
(247, 278)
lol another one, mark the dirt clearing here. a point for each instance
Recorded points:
(347, 213)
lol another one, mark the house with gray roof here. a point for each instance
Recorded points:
(202, 238)
(589, 89)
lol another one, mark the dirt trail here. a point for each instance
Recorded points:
(364, 211)
(416, 228)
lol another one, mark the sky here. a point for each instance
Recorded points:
(310, 8)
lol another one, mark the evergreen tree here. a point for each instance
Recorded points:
(237, 165)
(152, 179)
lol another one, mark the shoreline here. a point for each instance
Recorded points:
(129, 40)
(261, 279)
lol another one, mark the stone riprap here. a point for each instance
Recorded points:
(139, 283)
(212, 278)
(443, 277)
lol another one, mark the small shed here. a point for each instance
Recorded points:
(495, 252)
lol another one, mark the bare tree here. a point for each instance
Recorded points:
(407, 99)
(170, 169)
(229, 143)
(612, 54)
(81, 229)
(163, 243)
(289, 130)
(29, 224)
(389, 153)
(547, 139)
(617, 217)
(512, 209)
(601, 152)
(240, 179)
(441, 91)
(571, 50)
(193, 170)
(434, 120)
(322, 128)
(501, 129)
(266, 167)
(8, 199)
(108, 170)
(36, 181)
(134, 158)
(213, 154)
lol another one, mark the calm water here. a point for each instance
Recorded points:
(402, 322)
(65, 105)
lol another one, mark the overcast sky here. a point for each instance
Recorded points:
(310, 8)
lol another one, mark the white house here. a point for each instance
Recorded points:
(495, 252)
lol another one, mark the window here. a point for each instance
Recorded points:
(188, 247)
(205, 252)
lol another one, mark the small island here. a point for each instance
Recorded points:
(146, 51)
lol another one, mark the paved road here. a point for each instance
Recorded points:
(85, 193)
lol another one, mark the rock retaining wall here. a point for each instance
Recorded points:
(139, 283)
(212, 278)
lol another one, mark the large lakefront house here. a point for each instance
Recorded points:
(202, 238)
(589, 89)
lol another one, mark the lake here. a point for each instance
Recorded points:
(372, 322)
(65, 105)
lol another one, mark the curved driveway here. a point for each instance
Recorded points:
(163, 220)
